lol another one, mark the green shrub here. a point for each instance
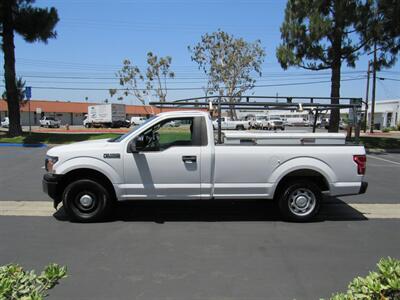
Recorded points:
(17, 284)
(386, 129)
(384, 284)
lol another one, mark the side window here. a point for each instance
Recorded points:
(168, 133)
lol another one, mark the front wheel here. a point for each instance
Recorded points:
(300, 201)
(86, 200)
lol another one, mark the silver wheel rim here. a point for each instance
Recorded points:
(86, 201)
(302, 202)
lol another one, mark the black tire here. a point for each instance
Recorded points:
(291, 200)
(239, 127)
(100, 206)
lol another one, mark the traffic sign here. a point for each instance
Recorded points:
(28, 92)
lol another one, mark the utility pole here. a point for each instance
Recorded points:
(373, 91)
(367, 98)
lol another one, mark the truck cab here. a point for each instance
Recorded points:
(174, 156)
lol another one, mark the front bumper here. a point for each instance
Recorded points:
(50, 185)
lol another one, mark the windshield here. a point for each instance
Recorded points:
(120, 138)
(50, 118)
(274, 118)
(261, 118)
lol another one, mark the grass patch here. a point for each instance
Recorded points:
(54, 138)
(380, 142)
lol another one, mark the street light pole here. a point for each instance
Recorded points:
(29, 114)
(28, 95)
(373, 91)
(367, 98)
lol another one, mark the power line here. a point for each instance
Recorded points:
(171, 81)
(88, 77)
(187, 88)
(385, 78)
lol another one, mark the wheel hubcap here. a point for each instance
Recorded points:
(86, 201)
(302, 202)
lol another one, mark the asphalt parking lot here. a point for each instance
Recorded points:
(199, 250)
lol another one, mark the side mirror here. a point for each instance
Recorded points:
(137, 144)
(132, 147)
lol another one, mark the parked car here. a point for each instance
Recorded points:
(298, 121)
(268, 122)
(5, 123)
(137, 120)
(274, 123)
(155, 162)
(226, 123)
(342, 124)
(258, 122)
(49, 122)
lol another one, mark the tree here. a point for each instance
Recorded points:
(229, 64)
(130, 78)
(33, 24)
(20, 91)
(323, 34)
(158, 71)
(383, 31)
(135, 83)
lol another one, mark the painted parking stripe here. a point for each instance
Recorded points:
(378, 211)
(26, 208)
(45, 209)
(383, 159)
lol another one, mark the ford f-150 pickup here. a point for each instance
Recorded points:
(160, 161)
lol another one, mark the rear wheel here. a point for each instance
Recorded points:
(239, 127)
(86, 200)
(300, 201)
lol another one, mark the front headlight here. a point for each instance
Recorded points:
(50, 162)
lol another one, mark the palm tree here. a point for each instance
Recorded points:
(33, 24)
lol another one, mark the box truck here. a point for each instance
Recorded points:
(106, 115)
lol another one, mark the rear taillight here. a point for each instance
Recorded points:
(361, 161)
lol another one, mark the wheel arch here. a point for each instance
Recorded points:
(87, 173)
(302, 168)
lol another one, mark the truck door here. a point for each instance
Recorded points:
(167, 162)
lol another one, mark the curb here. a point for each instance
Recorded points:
(23, 145)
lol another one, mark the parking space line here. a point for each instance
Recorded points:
(383, 159)
(45, 209)
(26, 208)
(378, 211)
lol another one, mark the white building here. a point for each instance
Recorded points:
(387, 113)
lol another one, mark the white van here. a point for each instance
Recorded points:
(138, 120)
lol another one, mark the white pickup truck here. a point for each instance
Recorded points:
(226, 123)
(160, 161)
(49, 122)
(268, 122)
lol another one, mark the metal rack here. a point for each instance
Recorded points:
(314, 105)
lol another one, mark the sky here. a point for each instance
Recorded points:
(94, 36)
